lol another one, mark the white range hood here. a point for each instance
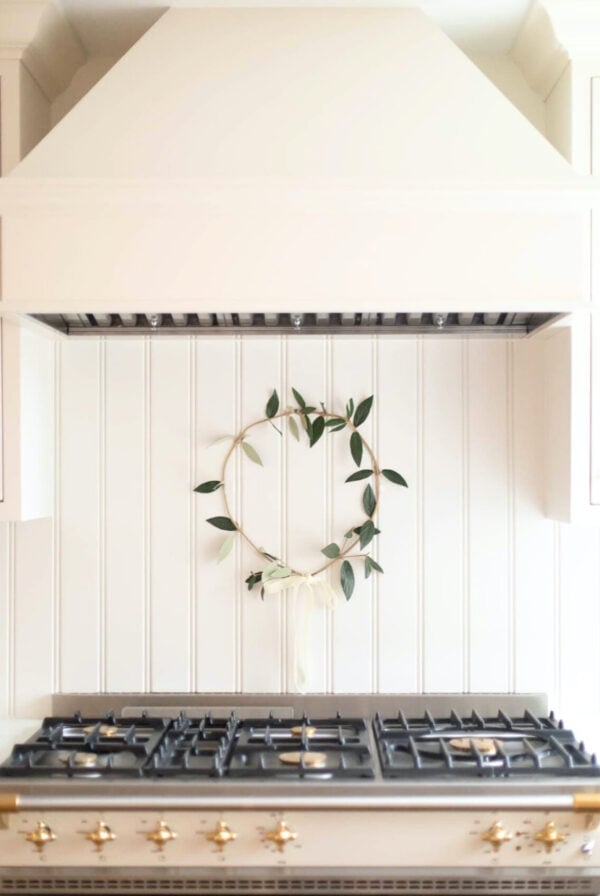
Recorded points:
(244, 160)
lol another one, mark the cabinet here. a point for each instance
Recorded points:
(571, 353)
(26, 422)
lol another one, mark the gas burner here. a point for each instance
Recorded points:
(79, 759)
(195, 747)
(317, 748)
(486, 747)
(304, 759)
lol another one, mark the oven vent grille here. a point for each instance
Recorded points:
(371, 323)
(417, 885)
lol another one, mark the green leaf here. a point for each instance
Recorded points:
(395, 477)
(358, 529)
(269, 570)
(293, 428)
(369, 502)
(350, 408)
(335, 421)
(253, 579)
(211, 486)
(373, 565)
(272, 404)
(368, 567)
(347, 579)
(317, 430)
(349, 533)
(367, 533)
(251, 453)
(222, 522)
(307, 426)
(356, 448)
(360, 474)
(282, 572)
(332, 550)
(363, 411)
(298, 398)
(226, 547)
(339, 427)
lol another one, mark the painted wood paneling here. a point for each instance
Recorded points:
(261, 502)
(487, 501)
(124, 519)
(218, 586)
(80, 526)
(354, 630)
(480, 592)
(399, 548)
(168, 511)
(33, 644)
(444, 462)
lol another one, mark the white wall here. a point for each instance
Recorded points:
(480, 592)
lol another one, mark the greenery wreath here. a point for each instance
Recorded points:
(358, 538)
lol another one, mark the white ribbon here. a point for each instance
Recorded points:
(309, 588)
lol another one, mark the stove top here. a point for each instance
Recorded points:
(302, 748)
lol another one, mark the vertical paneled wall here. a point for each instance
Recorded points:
(480, 592)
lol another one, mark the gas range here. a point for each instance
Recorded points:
(256, 794)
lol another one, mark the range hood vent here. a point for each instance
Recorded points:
(297, 324)
(295, 159)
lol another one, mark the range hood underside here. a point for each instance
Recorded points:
(297, 324)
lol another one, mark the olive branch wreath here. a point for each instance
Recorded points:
(315, 423)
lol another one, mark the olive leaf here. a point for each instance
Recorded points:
(269, 570)
(347, 579)
(338, 427)
(395, 477)
(335, 421)
(272, 404)
(331, 550)
(293, 428)
(226, 547)
(367, 533)
(350, 408)
(222, 522)
(282, 572)
(316, 430)
(252, 580)
(371, 564)
(360, 474)
(369, 502)
(251, 452)
(356, 448)
(363, 411)
(211, 486)
(298, 398)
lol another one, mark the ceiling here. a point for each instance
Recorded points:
(111, 27)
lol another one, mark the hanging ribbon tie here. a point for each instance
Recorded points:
(304, 590)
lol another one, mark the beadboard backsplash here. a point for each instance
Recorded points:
(122, 593)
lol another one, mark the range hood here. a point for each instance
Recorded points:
(284, 168)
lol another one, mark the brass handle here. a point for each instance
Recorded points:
(161, 835)
(222, 835)
(41, 835)
(497, 835)
(586, 802)
(281, 836)
(101, 835)
(549, 836)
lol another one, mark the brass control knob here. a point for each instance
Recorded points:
(549, 836)
(41, 835)
(281, 836)
(161, 835)
(101, 835)
(222, 835)
(497, 835)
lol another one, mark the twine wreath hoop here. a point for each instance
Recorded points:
(276, 575)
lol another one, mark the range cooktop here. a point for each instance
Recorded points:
(305, 748)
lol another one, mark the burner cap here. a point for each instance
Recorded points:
(103, 731)
(81, 759)
(484, 745)
(309, 730)
(309, 759)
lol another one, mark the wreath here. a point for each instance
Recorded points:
(357, 539)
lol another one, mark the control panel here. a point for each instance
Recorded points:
(318, 838)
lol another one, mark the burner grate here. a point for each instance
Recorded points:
(473, 745)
